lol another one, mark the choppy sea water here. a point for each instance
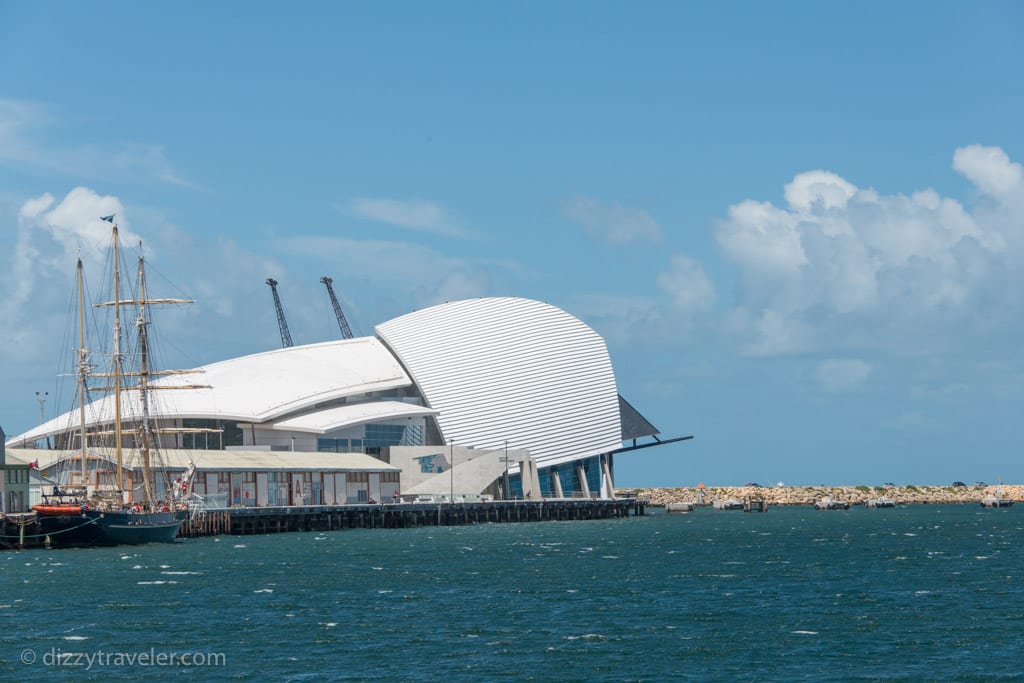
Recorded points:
(905, 594)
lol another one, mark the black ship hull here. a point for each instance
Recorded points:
(137, 528)
(95, 528)
(70, 530)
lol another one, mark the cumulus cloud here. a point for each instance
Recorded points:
(425, 216)
(840, 265)
(612, 223)
(842, 374)
(39, 270)
(37, 278)
(52, 234)
(687, 284)
(991, 170)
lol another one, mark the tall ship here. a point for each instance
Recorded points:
(97, 498)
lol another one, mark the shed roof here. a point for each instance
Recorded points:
(219, 461)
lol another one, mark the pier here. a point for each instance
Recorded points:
(22, 531)
(272, 520)
(755, 505)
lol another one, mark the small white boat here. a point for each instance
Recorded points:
(731, 504)
(673, 508)
(997, 500)
(830, 503)
(881, 502)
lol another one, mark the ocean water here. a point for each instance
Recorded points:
(905, 594)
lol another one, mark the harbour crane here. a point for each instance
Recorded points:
(286, 337)
(346, 331)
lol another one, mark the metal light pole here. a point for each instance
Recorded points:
(41, 397)
(451, 468)
(507, 495)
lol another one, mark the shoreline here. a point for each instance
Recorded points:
(808, 495)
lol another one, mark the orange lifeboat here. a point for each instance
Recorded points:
(63, 509)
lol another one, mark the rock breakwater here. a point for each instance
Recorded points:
(808, 495)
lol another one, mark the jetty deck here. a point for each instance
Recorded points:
(23, 532)
(270, 520)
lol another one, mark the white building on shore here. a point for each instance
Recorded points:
(501, 389)
(14, 481)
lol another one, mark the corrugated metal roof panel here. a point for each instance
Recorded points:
(512, 369)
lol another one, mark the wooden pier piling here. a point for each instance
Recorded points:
(22, 531)
(269, 520)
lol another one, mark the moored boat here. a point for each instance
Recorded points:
(997, 500)
(137, 528)
(62, 518)
(116, 509)
(830, 503)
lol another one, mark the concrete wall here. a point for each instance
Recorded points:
(427, 469)
(280, 440)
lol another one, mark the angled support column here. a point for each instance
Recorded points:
(581, 474)
(607, 484)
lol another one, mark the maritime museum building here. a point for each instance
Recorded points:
(503, 396)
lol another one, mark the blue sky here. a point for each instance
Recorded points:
(800, 226)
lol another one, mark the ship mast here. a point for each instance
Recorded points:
(144, 428)
(83, 371)
(117, 367)
(144, 374)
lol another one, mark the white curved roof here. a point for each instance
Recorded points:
(338, 417)
(492, 370)
(260, 387)
(511, 369)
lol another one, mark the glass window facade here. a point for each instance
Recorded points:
(568, 476)
(375, 437)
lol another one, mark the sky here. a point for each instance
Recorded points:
(799, 226)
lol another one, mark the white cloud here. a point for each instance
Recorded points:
(626, 320)
(762, 239)
(818, 188)
(38, 272)
(687, 284)
(22, 145)
(425, 216)
(612, 223)
(428, 275)
(51, 235)
(991, 170)
(842, 374)
(769, 333)
(840, 266)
